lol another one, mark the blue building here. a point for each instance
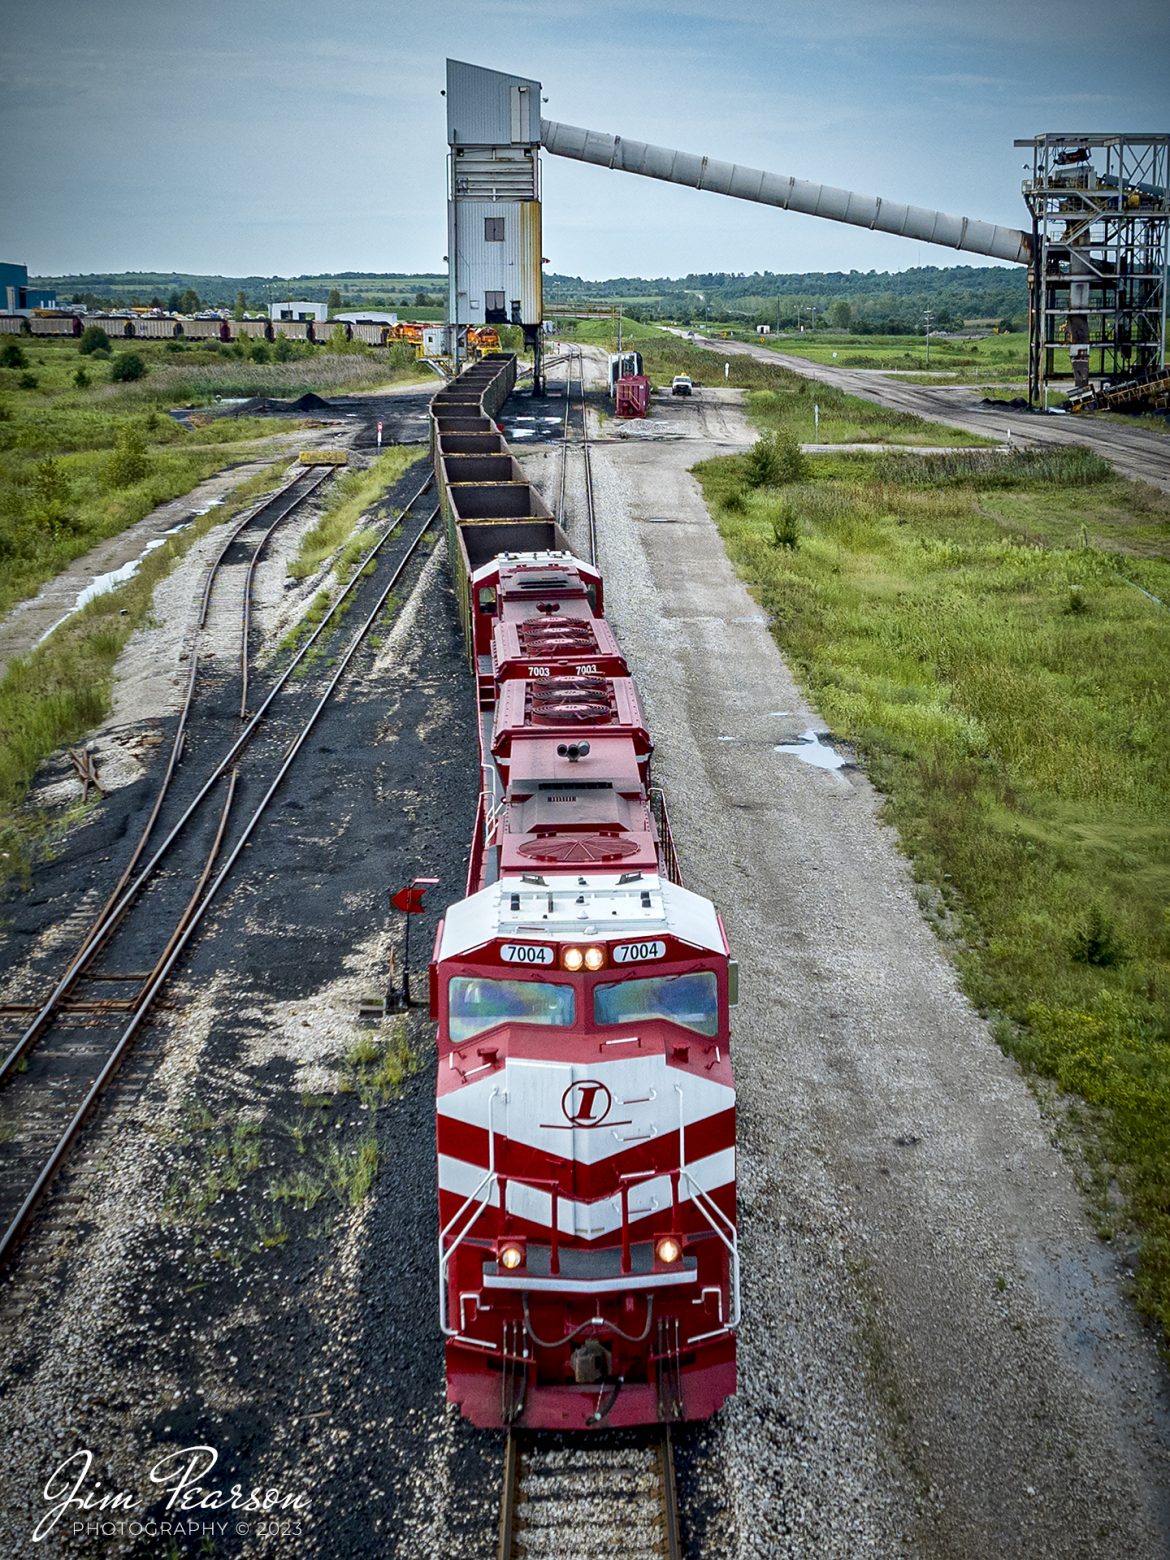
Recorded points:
(16, 294)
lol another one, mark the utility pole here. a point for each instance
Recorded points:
(928, 315)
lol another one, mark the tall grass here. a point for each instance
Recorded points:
(1012, 698)
(1075, 466)
(327, 373)
(349, 499)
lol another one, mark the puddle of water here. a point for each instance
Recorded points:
(659, 519)
(207, 508)
(726, 739)
(522, 433)
(811, 750)
(104, 583)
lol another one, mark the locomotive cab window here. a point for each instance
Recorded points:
(487, 598)
(476, 1003)
(692, 1001)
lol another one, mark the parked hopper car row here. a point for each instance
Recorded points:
(148, 327)
(588, 1255)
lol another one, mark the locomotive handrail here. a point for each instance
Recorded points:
(657, 798)
(445, 1254)
(713, 1214)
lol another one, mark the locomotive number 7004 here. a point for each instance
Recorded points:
(635, 953)
(526, 953)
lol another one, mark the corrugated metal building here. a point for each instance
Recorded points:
(493, 208)
(16, 294)
(368, 317)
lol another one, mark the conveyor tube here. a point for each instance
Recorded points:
(775, 189)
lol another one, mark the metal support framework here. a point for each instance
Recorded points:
(1100, 206)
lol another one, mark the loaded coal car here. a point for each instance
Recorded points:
(588, 1254)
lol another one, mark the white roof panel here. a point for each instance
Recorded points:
(568, 907)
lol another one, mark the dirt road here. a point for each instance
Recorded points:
(938, 1358)
(1138, 452)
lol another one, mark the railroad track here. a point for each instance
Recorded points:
(562, 1499)
(77, 1038)
(575, 359)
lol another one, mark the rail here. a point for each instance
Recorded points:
(632, 1487)
(667, 854)
(205, 892)
(486, 1185)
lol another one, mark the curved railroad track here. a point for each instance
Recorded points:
(80, 1034)
(567, 1499)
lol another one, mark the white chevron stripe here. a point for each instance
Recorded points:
(643, 1104)
(587, 1220)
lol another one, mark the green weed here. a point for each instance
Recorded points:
(350, 1170)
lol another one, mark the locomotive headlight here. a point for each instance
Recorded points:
(594, 958)
(668, 1249)
(511, 1256)
(572, 958)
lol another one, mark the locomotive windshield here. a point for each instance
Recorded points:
(475, 1003)
(690, 1000)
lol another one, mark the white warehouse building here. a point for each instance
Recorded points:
(297, 311)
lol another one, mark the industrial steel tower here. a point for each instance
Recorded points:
(1100, 209)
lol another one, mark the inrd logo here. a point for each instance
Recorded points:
(587, 1103)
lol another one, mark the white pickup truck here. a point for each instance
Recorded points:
(681, 385)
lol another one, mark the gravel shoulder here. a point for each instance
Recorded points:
(938, 1357)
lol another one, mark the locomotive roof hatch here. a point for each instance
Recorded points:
(597, 904)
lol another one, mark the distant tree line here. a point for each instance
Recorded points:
(864, 301)
(869, 302)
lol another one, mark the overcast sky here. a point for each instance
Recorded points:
(295, 136)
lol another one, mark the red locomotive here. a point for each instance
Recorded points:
(588, 1263)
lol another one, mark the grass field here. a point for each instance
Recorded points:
(79, 463)
(82, 462)
(985, 359)
(975, 631)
